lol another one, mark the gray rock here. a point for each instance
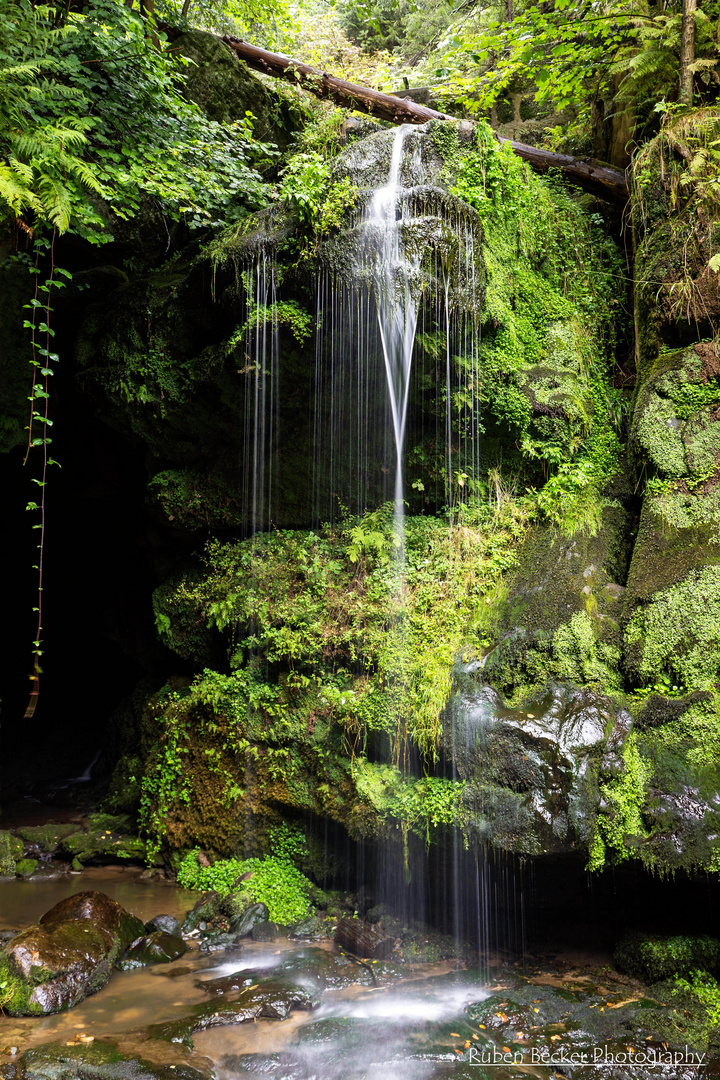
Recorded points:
(155, 948)
(167, 923)
(257, 913)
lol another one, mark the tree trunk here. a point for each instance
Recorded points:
(600, 180)
(687, 51)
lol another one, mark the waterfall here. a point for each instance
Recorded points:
(395, 413)
(397, 309)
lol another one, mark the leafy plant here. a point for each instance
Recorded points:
(274, 882)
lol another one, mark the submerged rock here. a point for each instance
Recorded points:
(273, 999)
(59, 1061)
(69, 955)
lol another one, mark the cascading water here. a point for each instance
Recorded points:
(396, 268)
(393, 421)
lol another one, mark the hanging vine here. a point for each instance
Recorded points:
(41, 360)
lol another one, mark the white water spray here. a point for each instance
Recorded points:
(397, 308)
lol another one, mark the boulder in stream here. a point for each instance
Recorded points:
(167, 923)
(255, 914)
(69, 955)
(155, 948)
(360, 938)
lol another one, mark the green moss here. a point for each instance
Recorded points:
(620, 826)
(678, 634)
(11, 850)
(26, 867)
(15, 991)
(662, 806)
(652, 959)
(579, 657)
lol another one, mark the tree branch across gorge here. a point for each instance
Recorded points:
(600, 180)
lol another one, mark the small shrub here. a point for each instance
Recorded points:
(274, 882)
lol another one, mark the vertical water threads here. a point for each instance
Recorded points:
(395, 268)
(261, 370)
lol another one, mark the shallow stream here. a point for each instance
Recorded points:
(385, 1022)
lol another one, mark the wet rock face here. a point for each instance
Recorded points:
(531, 773)
(69, 955)
(155, 948)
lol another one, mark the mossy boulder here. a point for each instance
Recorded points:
(100, 1060)
(11, 851)
(654, 958)
(226, 90)
(46, 838)
(659, 791)
(26, 867)
(672, 589)
(560, 617)
(69, 955)
(107, 836)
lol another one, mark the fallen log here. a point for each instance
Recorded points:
(361, 98)
(601, 180)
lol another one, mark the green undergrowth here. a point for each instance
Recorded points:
(661, 805)
(337, 651)
(273, 881)
(551, 313)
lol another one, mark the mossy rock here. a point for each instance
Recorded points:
(653, 958)
(101, 1060)
(11, 851)
(205, 910)
(658, 790)
(68, 956)
(675, 635)
(559, 617)
(107, 836)
(25, 867)
(46, 837)
(226, 90)
(675, 431)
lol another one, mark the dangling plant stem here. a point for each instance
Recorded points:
(41, 359)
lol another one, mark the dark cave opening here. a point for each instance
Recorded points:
(97, 637)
